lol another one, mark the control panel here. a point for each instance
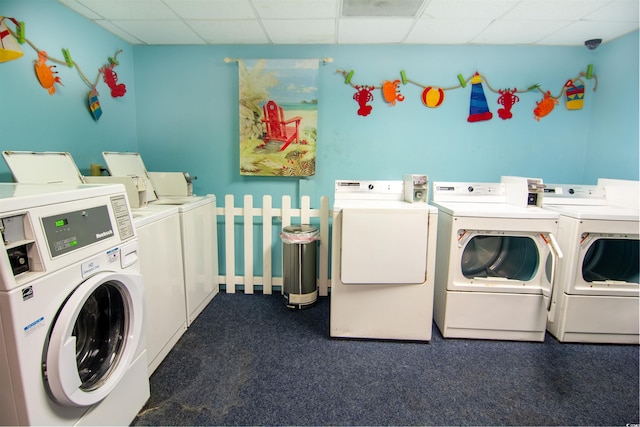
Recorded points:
(74, 230)
(416, 188)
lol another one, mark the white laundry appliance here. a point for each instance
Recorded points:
(596, 294)
(383, 263)
(159, 240)
(198, 224)
(160, 249)
(72, 347)
(496, 258)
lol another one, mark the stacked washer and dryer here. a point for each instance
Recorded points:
(596, 294)
(72, 344)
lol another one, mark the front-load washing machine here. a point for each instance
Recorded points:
(383, 261)
(159, 240)
(596, 293)
(497, 255)
(198, 224)
(72, 347)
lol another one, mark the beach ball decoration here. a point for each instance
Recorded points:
(432, 96)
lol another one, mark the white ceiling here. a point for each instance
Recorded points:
(494, 22)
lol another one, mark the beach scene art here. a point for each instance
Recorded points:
(278, 103)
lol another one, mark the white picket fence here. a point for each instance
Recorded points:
(266, 214)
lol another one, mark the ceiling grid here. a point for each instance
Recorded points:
(459, 22)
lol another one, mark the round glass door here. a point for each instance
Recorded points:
(94, 338)
(612, 259)
(508, 257)
(100, 331)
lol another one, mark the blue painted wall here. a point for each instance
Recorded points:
(187, 115)
(612, 141)
(180, 111)
(33, 120)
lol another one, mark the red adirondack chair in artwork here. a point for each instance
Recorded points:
(279, 129)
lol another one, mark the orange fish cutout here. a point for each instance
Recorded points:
(45, 73)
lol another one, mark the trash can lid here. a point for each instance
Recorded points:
(299, 233)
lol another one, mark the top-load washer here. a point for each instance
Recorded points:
(72, 347)
(159, 241)
(198, 224)
(496, 258)
(383, 260)
(596, 295)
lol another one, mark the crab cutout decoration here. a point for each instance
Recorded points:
(390, 92)
(46, 76)
(545, 106)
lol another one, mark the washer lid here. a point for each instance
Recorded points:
(30, 167)
(129, 164)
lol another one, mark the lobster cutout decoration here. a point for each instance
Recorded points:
(507, 99)
(363, 96)
(111, 79)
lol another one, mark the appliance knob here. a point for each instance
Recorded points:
(572, 191)
(370, 186)
(470, 189)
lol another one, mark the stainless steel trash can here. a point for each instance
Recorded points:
(299, 247)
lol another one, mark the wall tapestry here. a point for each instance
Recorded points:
(278, 116)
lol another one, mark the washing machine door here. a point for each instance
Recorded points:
(94, 338)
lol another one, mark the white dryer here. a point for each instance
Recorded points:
(72, 347)
(596, 296)
(198, 224)
(496, 258)
(383, 260)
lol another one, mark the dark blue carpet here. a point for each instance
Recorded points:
(248, 360)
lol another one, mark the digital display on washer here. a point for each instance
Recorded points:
(74, 230)
(61, 222)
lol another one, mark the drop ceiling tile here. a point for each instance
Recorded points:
(578, 32)
(230, 31)
(468, 9)
(374, 30)
(109, 26)
(617, 11)
(130, 9)
(306, 31)
(553, 10)
(288, 9)
(510, 32)
(160, 32)
(446, 31)
(212, 9)
(80, 8)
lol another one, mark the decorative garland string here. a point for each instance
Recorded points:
(463, 83)
(69, 62)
